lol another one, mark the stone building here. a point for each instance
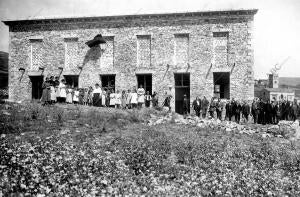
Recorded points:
(197, 53)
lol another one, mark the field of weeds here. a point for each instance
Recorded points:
(86, 151)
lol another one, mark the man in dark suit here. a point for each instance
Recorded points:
(204, 106)
(197, 106)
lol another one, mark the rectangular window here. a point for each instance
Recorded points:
(36, 54)
(108, 81)
(107, 53)
(181, 49)
(220, 49)
(143, 51)
(71, 53)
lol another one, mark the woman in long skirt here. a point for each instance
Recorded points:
(123, 99)
(112, 100)
(118, 100)
(97, 96)
(62, 91)
(103, 97)
(46, 92)
(90, 96)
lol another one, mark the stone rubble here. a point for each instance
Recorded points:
(286, 129)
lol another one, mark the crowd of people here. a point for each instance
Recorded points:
(262, 112)
(55, 91)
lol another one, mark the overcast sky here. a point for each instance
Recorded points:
(276, 25)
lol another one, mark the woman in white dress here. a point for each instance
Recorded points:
(69, 94)
(76, 96)
(118, 101)
(134, 99)
(112, 100)
(62, 91)
(103, 97)
(141, 96)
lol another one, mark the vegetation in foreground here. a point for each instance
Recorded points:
(81, 151)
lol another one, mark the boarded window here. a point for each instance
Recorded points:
(71, 53)
(143, 50)
(181, 49)
(107, 54)
(36, 60)
(220, 48)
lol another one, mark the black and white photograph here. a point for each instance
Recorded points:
(149, 98)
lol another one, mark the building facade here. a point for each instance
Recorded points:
(277, 94)
(193, 52)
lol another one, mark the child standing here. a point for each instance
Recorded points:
(69, 94)
(147, 99)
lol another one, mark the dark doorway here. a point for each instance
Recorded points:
(36, 84)
(222, 85)
(108, 82)
(72, 80)
(182, 87)
(146, 81)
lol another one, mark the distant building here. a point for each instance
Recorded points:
(291, 83)
(273, 89)
(277, 94)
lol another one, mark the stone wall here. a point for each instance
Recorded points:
(120, 55)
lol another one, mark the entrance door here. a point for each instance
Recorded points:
(146, 81)
(72, 80)
(36, 84)
(108, 82)
(182, 87)
(221, 84)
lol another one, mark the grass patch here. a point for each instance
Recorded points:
(85, 151)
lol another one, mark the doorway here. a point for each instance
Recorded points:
(146, 81)
(222, 85)
(36, 84)
(72, 80)
(182, 87)
(108, 82)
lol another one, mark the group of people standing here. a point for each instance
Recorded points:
(59, 91)
(262, 112)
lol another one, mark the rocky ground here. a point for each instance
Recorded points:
(71, 150)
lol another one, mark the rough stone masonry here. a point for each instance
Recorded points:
(193, 46)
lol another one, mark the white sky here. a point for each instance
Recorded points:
(276, 25)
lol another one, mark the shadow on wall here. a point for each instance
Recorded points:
(93, 54)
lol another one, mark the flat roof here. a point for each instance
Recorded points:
(242, 12)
